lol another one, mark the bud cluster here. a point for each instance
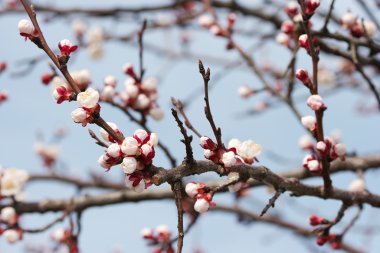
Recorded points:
(11, 230)
(203, 199)
(160, 238)
(135, 154)
(12, 181)
(327, 148)
(48, 154)
(88, 100)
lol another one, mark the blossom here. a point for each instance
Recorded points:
(60, 235)
(95, 35)
(12, 181)
(79, 115)
(128, 69)
(193, 189)
(315, 102)
(340, 150)
(153, 139)
(106, 135)
(110, 81)
(136, 185)
(12, 235)
(149, 84)
(25, 28)
(82, 78)
(305, 142)
(309, 122)
(140, 135)
(88, 98)
(347, 20)
(142, 102)
(129, 165)
(129, 146)
(282, 39)
(303, 41)
(321, 146)
(287, 27)
(291, 8)
(66, 47)
(8, 215)
(229, 159)
(207, 143)
(205, 21)
(245, 91)
(201, 205)
(234, 143)
(248, 150)
(311, 6)
(108, 92)
(113, 150)
(156, 113)
(79, 27)
(357, 185)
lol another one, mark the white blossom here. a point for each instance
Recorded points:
(88, 98)
(129, 146)
(129, 165)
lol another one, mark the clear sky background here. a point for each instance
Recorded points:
(32, 110)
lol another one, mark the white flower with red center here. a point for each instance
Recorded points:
(283, 39)
(66, 47)
(234, 143)
(193, 189)
(129, 146)
(245, 91)
(207, 143)
(248, 150)
(287, 27)
(12, 235)
(79, 115)
(61, 94)
(311, 6)
(129, 165)
(89, 98)
(26, 28)
(357, 185)
(105, 135)
(110, 81)
(315, 102)
(8, 215)
(206, 21)
(203, 203)
(141, 135)
(309, 122)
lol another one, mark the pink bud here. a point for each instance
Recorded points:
(25, 28)
(287, 27)
(191, 189)
(315, 102)
(129, 165)
(66, 47)
(110, 81)
(207, 143)
(140, 135)
(201, 205)
(61, 94)
(245, 91)
(113, 150)
(321, 147)
(79, 115)
(311, 6)
(309, 122)
(303, 76)
(128, 69)
(314, 220)
(282, 39)
(303, 41)
(129, 146)
(291, 9)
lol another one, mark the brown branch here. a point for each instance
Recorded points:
(186, 139)
(272, 201)
(179, 106)
(177, 189)
(217, 131)
(276, 221)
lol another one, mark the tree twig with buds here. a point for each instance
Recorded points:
(180, 108)
(272, 201)
(186, 139)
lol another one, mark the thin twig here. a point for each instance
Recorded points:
(272, 201)
(97, 140)
(186, 139)
(180, 108)
(177, 189)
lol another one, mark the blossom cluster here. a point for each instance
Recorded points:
(358, 27)
(160, 238)
(88, 101)
(63, 237)
(10, 230)
(203, 199)
(329, 148)
(237, 152)
(140, 95)
(134, 153)
(208, 22)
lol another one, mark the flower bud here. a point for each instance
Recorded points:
(156, 113)
(303, 76)
(191, 189)
(309, 122)
(282, 39)
(61, 94)
(153, 139)
(104, 133)
(108, 92)
(245, 91)
(287, 27)
(201, 205)
(110, 81)
(11, 235)
(357, 185)
(142, 102)
(311, 6)
(205, 21)
(314, 220)
(79, 115)
(149, 84)
(129, 165)
(140, 135)
(25, 28)
(66, 47)
(315, 102)
(88, 98)
(113, 150)
(229, 159)
(8, 215)
(128, 69)
(129, 146)
(303, 41)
